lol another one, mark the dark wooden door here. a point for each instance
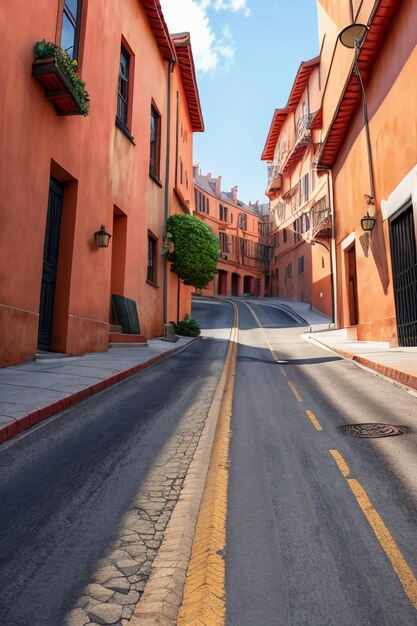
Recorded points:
(352, 286)
(50, 264)
(404, 271)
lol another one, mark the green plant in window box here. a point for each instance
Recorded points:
(47, 50)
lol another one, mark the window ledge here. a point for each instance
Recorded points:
(151, 283)
(155, 179)
(122, 126)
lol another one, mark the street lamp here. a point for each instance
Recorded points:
(353, 37)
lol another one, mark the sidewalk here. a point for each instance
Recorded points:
(399, 364)
(38, 389)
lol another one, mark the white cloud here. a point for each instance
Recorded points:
(232, 5)
(212, 51)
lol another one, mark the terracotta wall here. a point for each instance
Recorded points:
(391, 98)
(104, 173)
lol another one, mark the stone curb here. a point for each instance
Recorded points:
(408, 380)
(32, 419)
(160, 603)
(390, 372)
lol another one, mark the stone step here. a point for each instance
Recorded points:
(125, 340)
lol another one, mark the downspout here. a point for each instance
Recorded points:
(171, 64)
(333, 260)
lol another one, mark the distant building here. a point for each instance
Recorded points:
(243, 234)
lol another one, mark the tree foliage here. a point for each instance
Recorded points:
(196, 250)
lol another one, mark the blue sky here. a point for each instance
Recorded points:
(247, 53)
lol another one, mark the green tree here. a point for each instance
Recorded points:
(196, 250)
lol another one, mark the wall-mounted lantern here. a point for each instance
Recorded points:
(102, 237)
(368, 223)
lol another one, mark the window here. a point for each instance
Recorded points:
(123, 91)
(70, 33)
(222, 213)
(154, 161)
(300, 264)
(304, 188)
(224, 244)
(288, 271)
(285, 234)
(242, 223)
(201, 202)
(181, 171)
(322, 261)
(151, 273)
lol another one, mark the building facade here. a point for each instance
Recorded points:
(63, 175)
(242, 230)
(369, 144)
(300, 204)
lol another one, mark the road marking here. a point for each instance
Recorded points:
(314, 420)
(295, 391)
(343, 466)
(203, 600)
(386, 540)
(268, 343)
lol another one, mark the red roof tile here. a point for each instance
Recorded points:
(182, 45)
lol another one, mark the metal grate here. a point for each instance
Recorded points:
(373, 430)
(404, 266)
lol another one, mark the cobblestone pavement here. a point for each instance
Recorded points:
(119, 582)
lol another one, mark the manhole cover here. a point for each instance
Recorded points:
(373, 430)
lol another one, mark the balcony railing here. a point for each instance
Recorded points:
(274, 171)
(303, 127)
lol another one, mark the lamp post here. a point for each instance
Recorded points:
(353, 37)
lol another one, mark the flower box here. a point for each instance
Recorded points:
(57, 87)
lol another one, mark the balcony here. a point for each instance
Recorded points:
(320, 220)
(274, 181)
(303, 139)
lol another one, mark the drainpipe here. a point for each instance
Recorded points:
(167, 186)
(333, 250)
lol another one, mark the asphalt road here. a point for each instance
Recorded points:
(65, 486)
(300, 550)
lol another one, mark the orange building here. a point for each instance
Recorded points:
(243, 235)
(369, 142)
(300, 204)
(63, 175)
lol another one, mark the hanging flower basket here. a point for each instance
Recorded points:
(57, 73)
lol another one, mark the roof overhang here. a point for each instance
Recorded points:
(278, 119)
(159, 29)
(182, 43)
(301, 80)
(378, 24)
(280, 115)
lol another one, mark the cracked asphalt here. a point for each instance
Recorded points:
(86, 497)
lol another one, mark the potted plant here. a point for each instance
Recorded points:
(57, 73)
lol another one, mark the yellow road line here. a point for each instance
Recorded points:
(203, 600)
(295, 391)
(343, 466)
(268, 343)
(314, 420)
(386, 540)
